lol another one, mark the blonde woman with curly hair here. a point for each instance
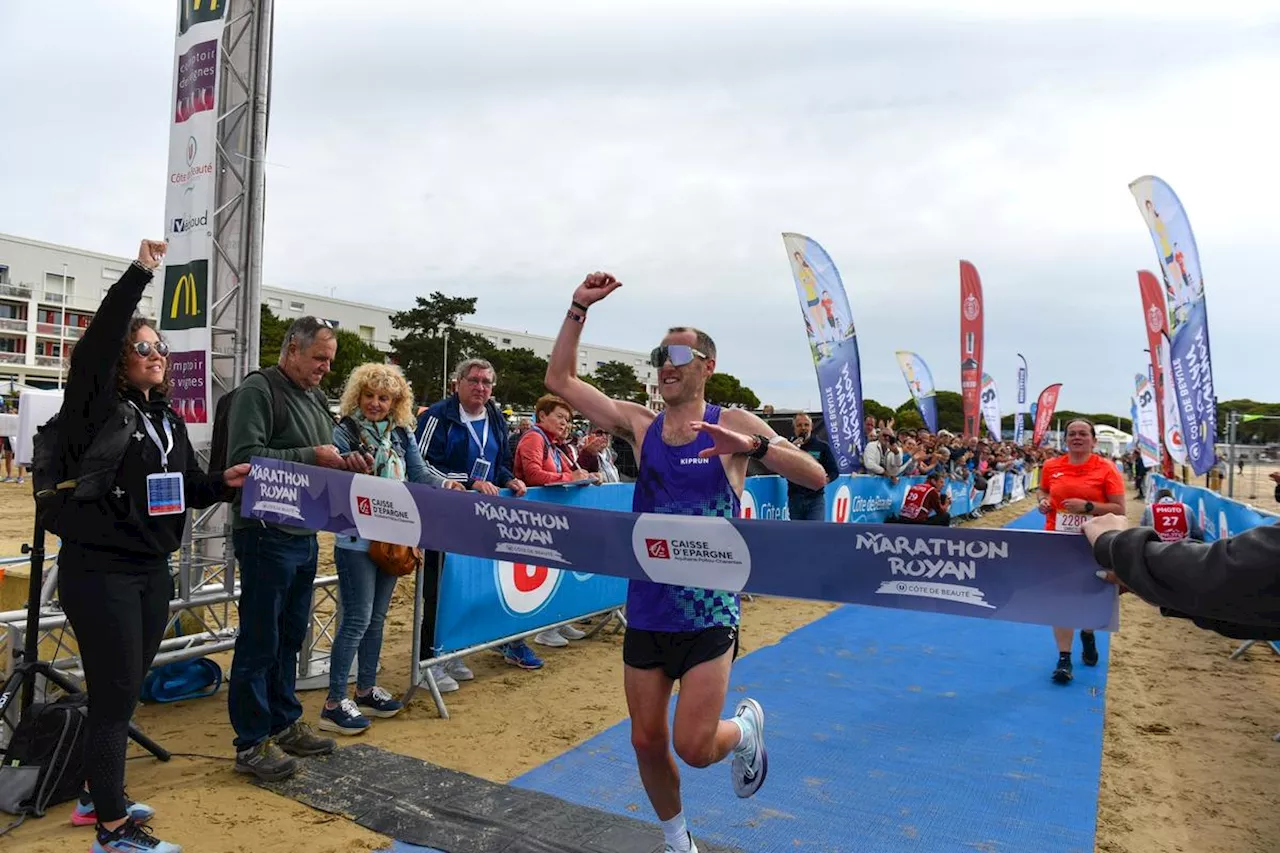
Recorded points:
(376, 414)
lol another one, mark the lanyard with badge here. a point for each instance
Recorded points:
(166, 494)
(480, 468)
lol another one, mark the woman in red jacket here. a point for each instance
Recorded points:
(539, 460)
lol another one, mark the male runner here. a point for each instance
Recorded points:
(692, 460)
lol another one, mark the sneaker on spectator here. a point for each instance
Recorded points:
(571, 633)
(445, 682)
(130, 837)
(345, 719)
(301, 741)
(266, 761)
(380, 703)
(459, 670)
(519, 654)
(84, 814)
(550, 638)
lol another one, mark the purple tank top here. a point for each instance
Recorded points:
(675, 481)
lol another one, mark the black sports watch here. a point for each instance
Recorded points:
(762, 447)
(1088, 507)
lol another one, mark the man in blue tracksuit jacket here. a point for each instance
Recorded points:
(464, 437)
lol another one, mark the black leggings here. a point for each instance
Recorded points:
(118, 611)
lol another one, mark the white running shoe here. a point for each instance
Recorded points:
(693, 848)
(459, 670)
(749, 776)
(571, 633)
(444, 681)
(550, 638)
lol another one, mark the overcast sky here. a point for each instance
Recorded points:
(503, 150)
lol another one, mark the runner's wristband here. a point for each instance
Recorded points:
(580, 307)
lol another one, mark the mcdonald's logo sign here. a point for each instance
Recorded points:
(192, 12)
(186, 296)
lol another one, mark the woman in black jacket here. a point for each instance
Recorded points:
(113, 562)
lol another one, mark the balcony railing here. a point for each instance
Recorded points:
(50, 330)
(48, 361)
(54, 297)
(21, 291)
(13, 358)
(10, 325)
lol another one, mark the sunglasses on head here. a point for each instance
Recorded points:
(144, 348)
(678, 354)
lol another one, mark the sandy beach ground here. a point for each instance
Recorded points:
(1188, 765)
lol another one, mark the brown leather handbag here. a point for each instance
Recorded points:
(397, 560)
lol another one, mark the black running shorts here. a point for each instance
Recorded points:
(677, 652)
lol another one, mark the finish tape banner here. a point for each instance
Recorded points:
(482, 600)
(1011, 575)
(1219, 517)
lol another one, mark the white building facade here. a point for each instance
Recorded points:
(49, 293)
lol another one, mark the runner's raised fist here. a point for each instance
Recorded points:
(595, 287)
(151, 253)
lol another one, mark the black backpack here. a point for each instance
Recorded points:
(278, 383)
(54, 480)
(44, 762)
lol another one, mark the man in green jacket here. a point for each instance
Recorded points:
(278, 563)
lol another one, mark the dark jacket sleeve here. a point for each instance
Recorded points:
(1234, 580)
(828, 461)
(506, 453)
(90, 398)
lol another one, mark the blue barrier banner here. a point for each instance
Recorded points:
(482, 600)
(1219, 517)
(1012, 575)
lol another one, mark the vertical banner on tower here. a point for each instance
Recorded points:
(1018, 427)
(183, 307)
(991, 406)
(1146, 421)
(970, 346)
(920, 383)
(828, 322)
(1155, 318)
(1190, 366)
(1045, 407)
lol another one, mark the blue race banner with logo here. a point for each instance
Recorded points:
(1219, 517)
(1011, 575)
(1191, 370)
(828, 323)
(482, 600)
(920, 384)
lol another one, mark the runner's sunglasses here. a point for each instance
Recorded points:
(678, 354)
(143, 348)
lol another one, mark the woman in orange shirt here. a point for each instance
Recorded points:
(539, 460)
(1073, 488)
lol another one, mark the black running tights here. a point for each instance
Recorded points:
(118, 611)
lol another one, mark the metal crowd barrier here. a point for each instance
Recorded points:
(206, 591)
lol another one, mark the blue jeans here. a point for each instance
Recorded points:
(276, 575)
(808, 507)
(366, 596)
